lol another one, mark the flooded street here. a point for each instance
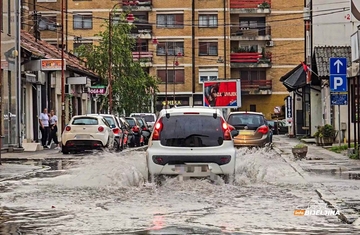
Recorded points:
(108, 194)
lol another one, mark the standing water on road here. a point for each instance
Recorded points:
(109, 194)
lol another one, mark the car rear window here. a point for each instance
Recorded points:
(246, 120)
(110, 120)
(147, 118)
(85, 121)
(131, 121)
(191, 131)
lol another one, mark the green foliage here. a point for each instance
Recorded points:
(328, 131)
(338, 149)
(132, 87)
(299, 146)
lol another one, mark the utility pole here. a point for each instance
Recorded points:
(18, 74)
(167, 77)
(62, 68)
(110, 64)
(1, 88)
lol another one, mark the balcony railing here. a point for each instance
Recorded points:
(141, 28)
(256, 84)
(136, 3)
(249, 57)
(142, 56)
(251, 32)
(261, 4)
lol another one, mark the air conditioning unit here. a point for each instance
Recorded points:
(270, 43)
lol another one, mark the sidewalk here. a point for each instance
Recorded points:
(330, 174)
(37, 155)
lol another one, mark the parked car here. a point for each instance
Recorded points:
(278, 127)
(137, 138)
(193, 142)
(87, 133)
(146, 132)
(252, 127)
(125, 127)
(116, 128)
(150, 118)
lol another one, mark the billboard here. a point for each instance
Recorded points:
(355, 10)
(222, 94)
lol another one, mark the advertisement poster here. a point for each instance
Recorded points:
(222, 94)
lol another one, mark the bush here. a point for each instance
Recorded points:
(328, 131)
(299, 146)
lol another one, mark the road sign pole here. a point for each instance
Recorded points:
(339, 123)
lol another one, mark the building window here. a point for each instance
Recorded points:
(208, 21)
(140, 45)
(252, 108)
(170, 21)
(172, 48)
(82, 21)
(208, 48)
(208, 76)
(253, 75)
(174, 76)
(78, 44)
(47, 23)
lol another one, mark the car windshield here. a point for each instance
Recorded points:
(85, 121)
(252, 121)
(191, 131)
(131, 121)
(147, 118)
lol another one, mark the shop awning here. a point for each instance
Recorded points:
(294, 79)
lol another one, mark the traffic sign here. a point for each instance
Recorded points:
(277, 110)
(338, 71)
(338, 99)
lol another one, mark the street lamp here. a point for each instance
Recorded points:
(130, 19)
(175, 63)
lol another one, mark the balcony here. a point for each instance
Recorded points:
(145, 57)
(247, 33)
(250, 6)
(137, 5)
(142, 30)
(256, 87)
(250, 59)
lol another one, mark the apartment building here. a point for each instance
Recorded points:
(191, 41)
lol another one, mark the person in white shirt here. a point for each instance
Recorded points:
(53, 129)
(44, 127)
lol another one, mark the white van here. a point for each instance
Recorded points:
(150, 118)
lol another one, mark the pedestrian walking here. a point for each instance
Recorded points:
(53, 121)
(44, 127)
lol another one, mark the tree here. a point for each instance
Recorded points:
(132, 87)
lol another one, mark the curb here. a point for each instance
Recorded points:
(342, 217)
(25, 175)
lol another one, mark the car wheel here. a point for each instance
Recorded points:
(64, 150)
(137, 141)
(229, 179)
(157, 179)
(116, 145)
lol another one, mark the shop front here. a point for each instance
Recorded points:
(172, 101)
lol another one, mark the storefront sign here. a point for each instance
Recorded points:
(222, 94)
(288, 109)
(97, 90)
(52, 64)
(176, 102)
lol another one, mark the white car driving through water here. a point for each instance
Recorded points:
(86, 133)
(192, 142)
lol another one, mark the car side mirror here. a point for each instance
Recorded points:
(234, 133)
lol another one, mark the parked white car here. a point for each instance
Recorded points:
(150, 118)
(86, 133)
(192, 142)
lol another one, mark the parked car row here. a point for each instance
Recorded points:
(98, 131)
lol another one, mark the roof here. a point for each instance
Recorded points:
(201, 109)
(246, 112)
(45, 50)
(324, 53)
(294, 79)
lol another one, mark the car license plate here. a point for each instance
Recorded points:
(192, 168)
(82, 136)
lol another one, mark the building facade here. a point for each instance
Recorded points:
(195, 40)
